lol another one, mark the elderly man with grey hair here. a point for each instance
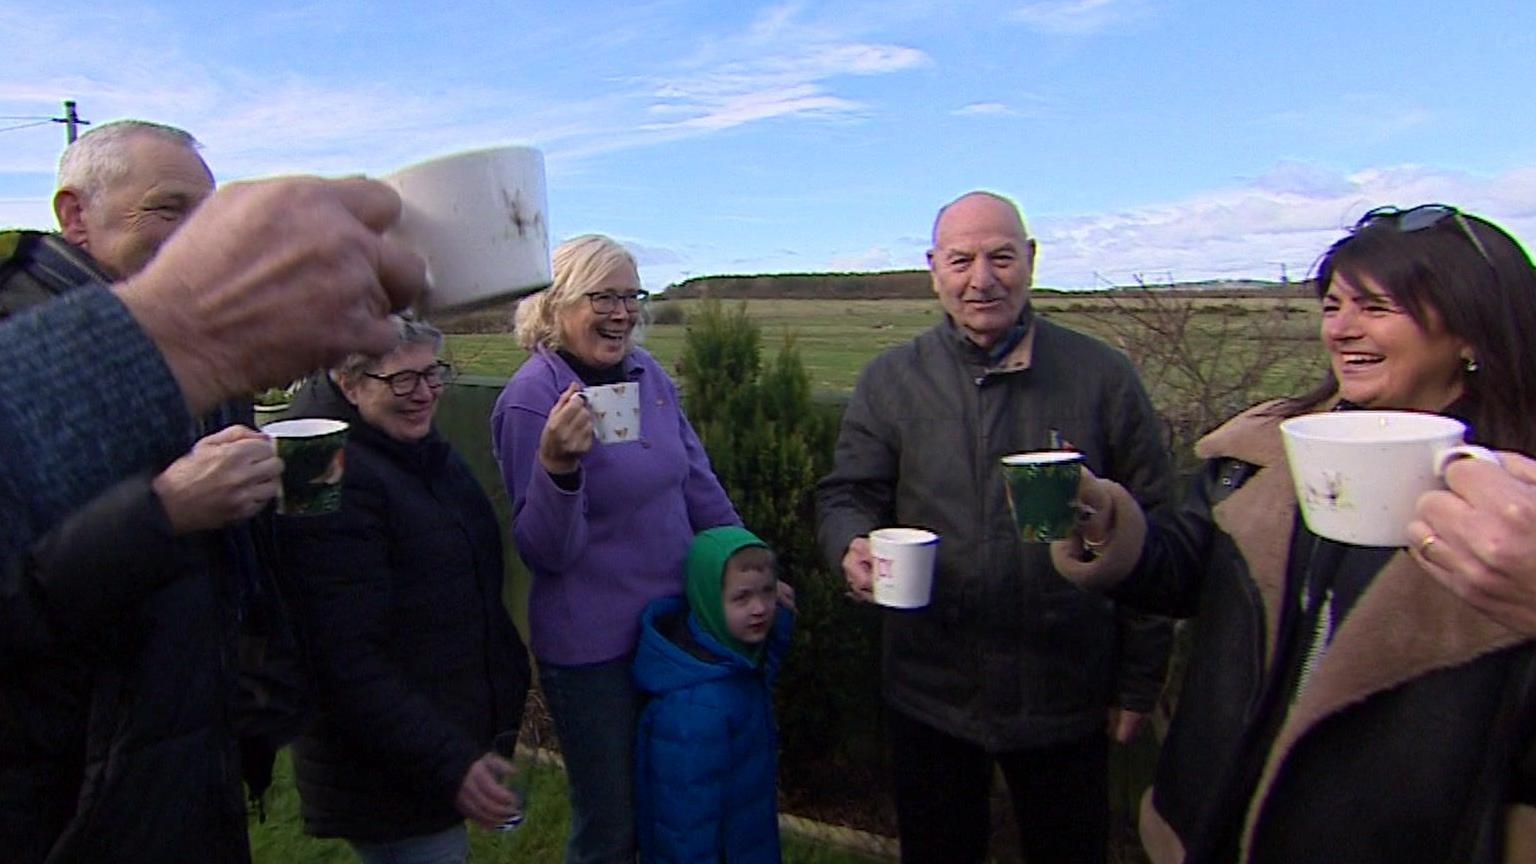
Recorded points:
(123, 627)
(123, 189)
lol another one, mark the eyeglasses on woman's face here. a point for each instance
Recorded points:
(607, 302)
(404, 382)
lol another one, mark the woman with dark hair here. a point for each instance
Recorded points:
(1457, 278)
(1340, 704)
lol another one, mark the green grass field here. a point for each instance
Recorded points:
(837, 338)
(280, 840)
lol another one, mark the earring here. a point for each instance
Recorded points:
(1469, 364)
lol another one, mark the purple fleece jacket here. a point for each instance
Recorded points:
(600, 553)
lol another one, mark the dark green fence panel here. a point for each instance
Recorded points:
(464, 418)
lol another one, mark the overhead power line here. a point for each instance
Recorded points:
(43, 122)
(70, 119)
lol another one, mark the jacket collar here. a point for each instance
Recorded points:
(1248, 515)
(1020, 357)
(634, 367)
(1406, 625)
(73, 263)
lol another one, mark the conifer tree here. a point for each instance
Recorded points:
(769, 441)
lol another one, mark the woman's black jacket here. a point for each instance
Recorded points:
(417, 662)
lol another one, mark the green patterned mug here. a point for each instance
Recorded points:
(311, 450)
(1042, 489)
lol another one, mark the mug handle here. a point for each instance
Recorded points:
(1463, 451)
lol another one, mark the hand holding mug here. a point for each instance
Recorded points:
(859, 570)
(1095, 510)
(227, 477)
(1106, 543)
(515, 773)
(482, 798)
(271, 279)
(568, 433)
(1478, 537)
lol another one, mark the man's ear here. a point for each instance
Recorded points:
(69, 209)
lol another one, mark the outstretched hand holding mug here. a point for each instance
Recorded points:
(271, 279)
(1478, 537)
(1106, 543)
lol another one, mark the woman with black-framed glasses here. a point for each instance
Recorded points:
(1340, 704)
(603, 527)
(398, 594)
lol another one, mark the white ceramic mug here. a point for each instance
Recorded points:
(615, 411)
(480, 220)
(1358, 474)
(904, 564)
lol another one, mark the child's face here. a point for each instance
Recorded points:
(750, 593)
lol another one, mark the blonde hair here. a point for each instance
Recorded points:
(580, 263)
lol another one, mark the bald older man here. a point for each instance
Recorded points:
(1009, 665)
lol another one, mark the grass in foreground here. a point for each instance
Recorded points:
(281, 840)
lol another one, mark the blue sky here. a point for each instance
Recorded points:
(1183, 139)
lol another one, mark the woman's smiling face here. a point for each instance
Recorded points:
(1382, 357)
(601, 340)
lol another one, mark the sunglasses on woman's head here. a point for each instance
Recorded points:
(1421, 217)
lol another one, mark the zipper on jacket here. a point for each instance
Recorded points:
(1321, 632)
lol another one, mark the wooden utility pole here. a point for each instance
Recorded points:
(71, 120)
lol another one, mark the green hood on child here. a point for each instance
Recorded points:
(705, 573)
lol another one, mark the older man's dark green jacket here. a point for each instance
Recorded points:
(1008, 655)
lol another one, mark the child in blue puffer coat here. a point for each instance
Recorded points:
(706, 755)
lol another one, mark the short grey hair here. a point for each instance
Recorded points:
(408, 331)
(99, 158)
(578, 265)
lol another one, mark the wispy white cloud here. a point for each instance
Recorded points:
(1251, 230)
(722, 112)
(1357, 119)
(984, 109)
(873, 258)
(774, 21)
(779, 66)
(648, 255)
(1257, 228)
(792, 83)
(1078, 17)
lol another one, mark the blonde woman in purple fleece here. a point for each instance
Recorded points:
(603, 527)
